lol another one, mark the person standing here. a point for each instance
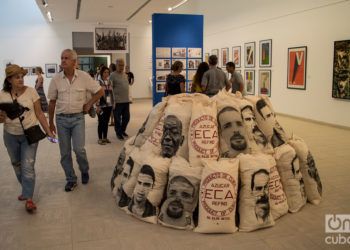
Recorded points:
(131, 80)
(104, 107)
(112, 68)
(236, 78)
(39, 86)
(68, 97)
(175, 82)
(120, 87)
(22, 154)
(197, 79)
(214, 79)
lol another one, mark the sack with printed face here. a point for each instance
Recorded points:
(149, 188)
(203, 132)
(148, 126)
(254, 204)
(232, 133)
(266, 119)
(127, 148)
(278, 199)
(181, 195)
(257, 141)
(153, 142)
(177, 118)
(312, 181)
(124, 181)
(218, 196)
(291, 178)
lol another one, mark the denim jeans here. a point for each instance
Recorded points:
(22, 158)
(121, 117)
(71, 130)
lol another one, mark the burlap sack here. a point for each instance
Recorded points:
(203, 132)
(218, 196)
(289, 169)
(181, 196)
(152, 144)
(176, 124)
(267, 122)
(149, 124)
(254, 203)
(278, 199)
(232, 133)
(149, 188)
(312, 181)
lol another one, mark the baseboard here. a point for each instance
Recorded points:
(314, 121)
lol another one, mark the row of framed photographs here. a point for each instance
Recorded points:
(265, 54)
(50, 70)
(160, 87)
(187, 64)
(161, 75)
(166, 52)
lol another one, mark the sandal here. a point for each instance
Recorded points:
(30, 206)
(21, 198)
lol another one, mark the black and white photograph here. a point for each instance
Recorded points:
(161, 75)
(163, 64)
(111, 40)
(50, 69)
(194, 52)
(172, 137)
(193, 63)
(178, 52)
(163, 52)
(189, 86)
(260, 191)
(341, 70)
(160, 87)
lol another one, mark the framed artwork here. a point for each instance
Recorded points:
(296, 72)
(163, 64)
(193, 63)
(249, 55)
(215, 52)
(189, 86)
(236, 56)
(178, 52)
(111, 40)
(160, 87)
(341, 70)
(194, 52)
(163, 52)
(265, 82)
(161, 75)
(224, 56)
(265, 53)
(50, 70)
(206, 57)
(249, 81)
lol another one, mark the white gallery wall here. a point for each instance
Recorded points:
(27, 39)
(312, 23)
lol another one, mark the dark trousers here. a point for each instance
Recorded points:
(121, 117)
(103, 118)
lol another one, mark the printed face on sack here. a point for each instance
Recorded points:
(144, 185)
(297, 174)
(172, 137)
(259, 137)
(121, 160)
(265, 112)
(180, 197)
(231, 129)
(313, 173)
(248, 117)
(125, 174)
(260, 190)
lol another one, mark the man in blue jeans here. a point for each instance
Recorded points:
(68, 96)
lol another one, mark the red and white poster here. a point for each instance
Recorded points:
(297, 68)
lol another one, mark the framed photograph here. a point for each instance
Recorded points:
(193, 63)
(215, 52)
(163, 52)
(189, 86)
(341, 70)
(206, 57)
(224, 56)
(194, 52)
(190, 74)
(249, 81)
(296, 72)
(50, 70)
(181, 60)
(265, 53)
(249, 55)
(236, 56)
(265, 82)
(160, 87)
(111, 40)
(161, 75)
(163, 64)
(178, 52)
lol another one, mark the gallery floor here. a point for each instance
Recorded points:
(87, 218)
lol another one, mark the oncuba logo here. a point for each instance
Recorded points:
(336, 224)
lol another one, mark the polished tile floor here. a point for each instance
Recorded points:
(88, 218)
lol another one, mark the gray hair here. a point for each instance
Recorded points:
(72, 52)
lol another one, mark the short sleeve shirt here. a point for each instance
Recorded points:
(70, 97)
(27, 100)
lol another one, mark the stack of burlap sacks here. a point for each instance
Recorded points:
(214, 165)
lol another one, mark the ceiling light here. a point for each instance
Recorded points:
(45, 3)
(177, 5)
(49, 16)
